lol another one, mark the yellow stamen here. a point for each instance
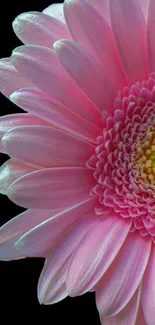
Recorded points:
(143, 156)
(148, 152)
(148, 163)
(147, 144)
(150, 136)
(144, 175)
(150, 177)
(144, 159)
(153, 148)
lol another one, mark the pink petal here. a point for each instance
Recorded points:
(123, 277)
(130, 36)
(10, 78)
(8, 252)
(35, 243)
(49, 109)
(95, 253)
(52, 288)
(12, 170)
(96, 38)
(53, 188)
(140, 317)
(87, 74)
(144, 6)
(15, 228)
(8, 122)
(103, 8)
(39, 28)
(148, 290)
(55, 270)
(127, 315)
(55, 10)
(46, 147)
(42, 67)
(150, 36)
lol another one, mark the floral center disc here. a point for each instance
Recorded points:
(124, 159)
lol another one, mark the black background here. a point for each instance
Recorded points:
(18, 279)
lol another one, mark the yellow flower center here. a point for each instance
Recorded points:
(143, 156)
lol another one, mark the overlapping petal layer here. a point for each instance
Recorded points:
(52, 188)
(33, 145)
(38, 28)
(119, 284)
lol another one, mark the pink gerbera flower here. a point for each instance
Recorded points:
(83, 155)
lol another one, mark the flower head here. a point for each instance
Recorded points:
(82, 155)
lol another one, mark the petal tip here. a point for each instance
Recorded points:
(70, 3)
(14, 97)
(41, 298)
(58, 45)
(3, 140)
(16, 22)
(18, 50)
(15, 52)
(41, 293)
(71, 290)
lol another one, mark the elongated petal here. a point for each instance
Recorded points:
(35, 243)
(150, 36)
(148, 290)
(127, 315)
(15, 228)
(95, 253)
(52, 276)
(8, 122)
(55, 10)
(52, 289)
(49, 109)
(140, 317)
(103, 8)
(8, 252)
(123, 277)
(87, 74)
(39, 28)
(88, 35)
(12, 170)
(129, 30)
(41, 66)
(52, 188)
(46, 147)
(144, 6)
(10, 78)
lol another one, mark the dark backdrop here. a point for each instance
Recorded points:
(18, 279)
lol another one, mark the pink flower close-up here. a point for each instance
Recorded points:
(82, 153)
